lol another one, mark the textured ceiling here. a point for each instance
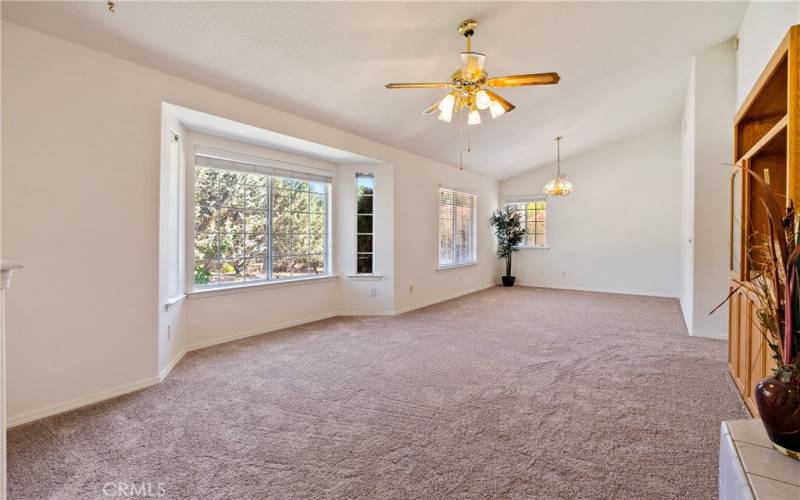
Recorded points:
(624, 65)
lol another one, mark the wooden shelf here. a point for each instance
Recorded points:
(766, 142)
(771, 134)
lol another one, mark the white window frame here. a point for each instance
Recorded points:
(526, 199)
(263, 166)
(357, 234)
(474, 261)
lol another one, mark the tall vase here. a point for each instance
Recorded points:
(779, 407)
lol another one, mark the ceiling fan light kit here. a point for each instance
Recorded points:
(468, 85)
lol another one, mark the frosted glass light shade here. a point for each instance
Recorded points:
(496, 109)
(558, 186)
(446, 106)
(482, 100)
(474, 117)
(446, 116)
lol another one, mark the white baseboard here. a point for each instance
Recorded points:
(168, 369)
(49, 411)
(598, 290)
(452, 296)
(710, 335)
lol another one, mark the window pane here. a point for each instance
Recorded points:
(231, 195)
(281, 222)
(317, 243)
(364, 243)
(365, 204)
(230, 245)
(281, 267)
(540, 240)
(300, 265)
(365, 183)
(231, 270)
(281, 244)
(231, 220)
(301, 223)
(364, 224)
(205, 245)
(255, 197)
(300, 243)
(206, 272)
(317, 223)
(255, 221)
(316, 264)
(206, 187)
(300, 201)
(281, 200)
(364, 263)
(318, 203)
(254, 270)
(205, 219)
(256, 246)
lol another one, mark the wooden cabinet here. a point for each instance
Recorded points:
(767, 141)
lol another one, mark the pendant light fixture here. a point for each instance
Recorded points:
(558, 185)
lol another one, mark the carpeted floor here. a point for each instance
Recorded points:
(504, 393)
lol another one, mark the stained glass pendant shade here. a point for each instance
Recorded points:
(558, 185)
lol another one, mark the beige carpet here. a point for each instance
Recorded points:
(504, 393)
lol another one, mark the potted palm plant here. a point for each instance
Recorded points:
(510, 235)
(774, 256)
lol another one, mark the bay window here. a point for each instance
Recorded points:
(254, 223)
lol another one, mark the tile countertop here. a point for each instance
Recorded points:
(749, 466)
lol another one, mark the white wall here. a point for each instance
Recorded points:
(763, 27)
(416, 221)
(688, 130)
(80, 206)
(618, 231)
(715, 95)
(355, 292)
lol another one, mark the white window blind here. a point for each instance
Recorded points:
(456, 228)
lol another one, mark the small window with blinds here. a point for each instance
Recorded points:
(533, 214)
(254, 223)
(457, 231)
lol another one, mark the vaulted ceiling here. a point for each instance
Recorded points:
(624, 65)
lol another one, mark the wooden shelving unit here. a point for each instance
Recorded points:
(767, 141)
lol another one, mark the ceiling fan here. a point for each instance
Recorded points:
(469, 85)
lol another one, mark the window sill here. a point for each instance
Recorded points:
(263, 285)
(174, 300)
(535, 248)
(365, 277)
(456, 266)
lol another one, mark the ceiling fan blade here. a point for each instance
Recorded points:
(506, 105)
(520, 80)
(433, 107)
(418, 85)
(471, 64)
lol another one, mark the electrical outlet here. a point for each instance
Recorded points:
(373, 292)
(169, 331)
(563, 274)
(410, 288)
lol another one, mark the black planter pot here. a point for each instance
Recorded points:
(779, 408)
(508, 280)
